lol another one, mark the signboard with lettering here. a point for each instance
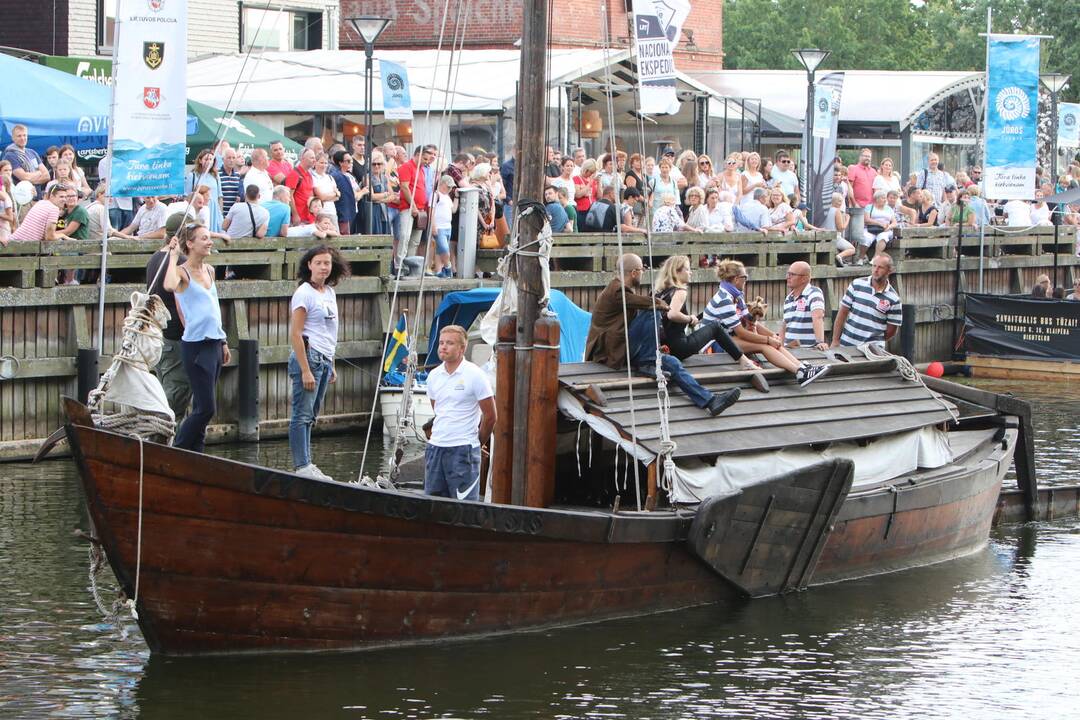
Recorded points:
(1012, 107)
(1022, 327)
(657, 25)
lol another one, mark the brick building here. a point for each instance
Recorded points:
(497, 24)
(85, 27)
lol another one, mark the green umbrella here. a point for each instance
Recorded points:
(205, 124)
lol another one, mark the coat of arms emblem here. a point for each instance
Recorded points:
(153, 54)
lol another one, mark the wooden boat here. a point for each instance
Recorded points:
(236, 557)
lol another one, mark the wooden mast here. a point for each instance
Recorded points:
(528, 187)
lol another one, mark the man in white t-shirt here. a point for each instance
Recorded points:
(784, 176)
(247, 218)
(1018, 213)
(259, 176)
(465, 415)
(149, 221)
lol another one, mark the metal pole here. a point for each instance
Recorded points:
(369, 89)
(957, 280)
(1054, 142)
(809, 144)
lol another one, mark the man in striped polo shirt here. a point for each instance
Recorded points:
(870, 310)
(804, 311)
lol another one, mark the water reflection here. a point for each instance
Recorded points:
(985, 636)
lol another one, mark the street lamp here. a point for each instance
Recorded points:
(369, 29)
(1055, 83)
(810, 59)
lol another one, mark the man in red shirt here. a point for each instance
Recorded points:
(279, 168)
(862, 177)
(412, 199)
(301, 184)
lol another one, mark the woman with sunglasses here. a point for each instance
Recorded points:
(705, 172)
(731, 180)
(205, 173)
(376, 201)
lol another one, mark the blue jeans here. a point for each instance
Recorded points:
(643, 353)
(306, 404)
(120, 219)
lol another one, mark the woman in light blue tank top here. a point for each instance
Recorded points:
(202, 347)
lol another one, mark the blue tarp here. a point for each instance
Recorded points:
(462, 308)
(55, 106)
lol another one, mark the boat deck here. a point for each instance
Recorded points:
(859, 398)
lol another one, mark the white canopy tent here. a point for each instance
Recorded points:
(481, 82)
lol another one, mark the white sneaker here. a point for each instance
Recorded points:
(311, 470)
(809, 373)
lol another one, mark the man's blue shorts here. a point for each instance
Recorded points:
(452, 472)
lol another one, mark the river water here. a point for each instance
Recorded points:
(993, 635)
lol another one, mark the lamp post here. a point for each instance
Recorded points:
(1055, 83)
(369, 29)
(810, 59)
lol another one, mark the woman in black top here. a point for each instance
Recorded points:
(671, 287)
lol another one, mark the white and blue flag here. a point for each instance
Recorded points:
(396, 98)
(1012, 108)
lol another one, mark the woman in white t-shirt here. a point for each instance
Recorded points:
(442, 219)
(751, 176)
(326, 188)
(886, 178)
(313, 337)
(880, 220)
(1040, 211)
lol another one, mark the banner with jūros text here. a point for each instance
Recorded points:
(149, 122)
(1012, 108)
(657, 26)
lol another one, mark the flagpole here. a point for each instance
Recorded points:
(108, 186)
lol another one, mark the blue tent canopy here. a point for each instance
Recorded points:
(462, 308)
(55, 106)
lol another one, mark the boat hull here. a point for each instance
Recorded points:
(238, 558)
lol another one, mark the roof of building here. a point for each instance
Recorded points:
(869, 96)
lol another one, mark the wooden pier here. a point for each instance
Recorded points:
(42, 326)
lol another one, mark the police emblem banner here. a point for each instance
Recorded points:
(1012, 108)
(1069, 125)
(396, 98)
(149, 118)
(657, 26)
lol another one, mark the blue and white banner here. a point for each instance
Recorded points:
(396, 98)
(823, 110)
(1012, 108)
(149, 119)
(1069, 125)
(657, 27)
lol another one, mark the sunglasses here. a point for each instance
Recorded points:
(704, 163)
(785, 162)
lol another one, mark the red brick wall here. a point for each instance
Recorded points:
(41, 27)
(497, 23)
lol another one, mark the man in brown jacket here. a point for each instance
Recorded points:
(607, 336)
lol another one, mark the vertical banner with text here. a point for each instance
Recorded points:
(1012, 108)
(827, 93)
(657, 26)
(1068, 125)
(149, 120)
(396, 97)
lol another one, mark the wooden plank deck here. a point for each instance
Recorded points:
(860, 399)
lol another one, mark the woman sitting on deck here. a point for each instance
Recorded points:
(727, 309)
(671, 287)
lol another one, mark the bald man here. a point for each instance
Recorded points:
(804, 310)
(607, 341)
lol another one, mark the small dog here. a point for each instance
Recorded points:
(755, 310)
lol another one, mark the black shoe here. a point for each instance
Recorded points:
(809, 373)
(839, 261)
(722, 401)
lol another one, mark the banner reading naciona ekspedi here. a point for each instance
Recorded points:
(149, 123)
(657, 26)
(1012, 108)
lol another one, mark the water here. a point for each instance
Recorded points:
(989, 636)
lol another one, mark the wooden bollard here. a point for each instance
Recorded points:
(543, 408)
(247, 392)
(502, 459)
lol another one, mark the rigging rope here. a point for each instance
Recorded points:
(877, 351)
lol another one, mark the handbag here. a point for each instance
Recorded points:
(421, 221)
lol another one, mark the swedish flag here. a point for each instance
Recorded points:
(397, 350)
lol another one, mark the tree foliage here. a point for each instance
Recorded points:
(895, 34)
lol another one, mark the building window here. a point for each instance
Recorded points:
(276, 29)
(106, 25)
